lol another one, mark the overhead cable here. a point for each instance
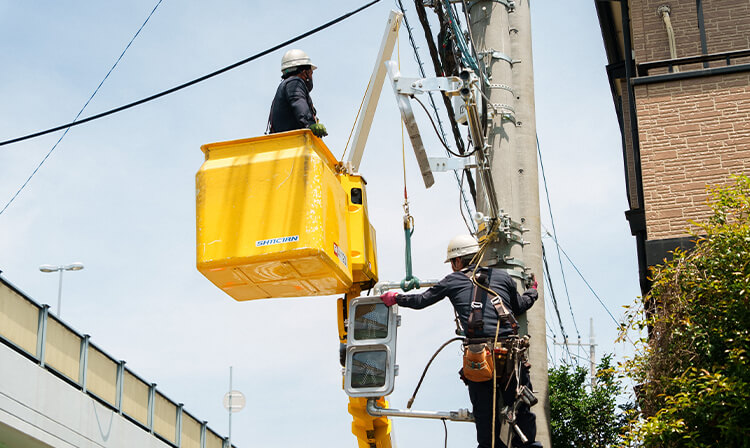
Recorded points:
(585, 281)
(447, 148)
(194, 81)
(440, 71)
(82, 109)
(548, 278)
(460, 39)
(554, 231)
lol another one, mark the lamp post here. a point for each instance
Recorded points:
(61, 268)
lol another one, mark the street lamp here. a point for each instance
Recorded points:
(53, 268)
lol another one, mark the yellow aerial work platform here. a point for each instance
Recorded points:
(276, 218)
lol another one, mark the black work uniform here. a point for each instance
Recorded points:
(292, 107)
(459, 288)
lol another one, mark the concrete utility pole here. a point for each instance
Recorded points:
(592, 350)
(501, 31)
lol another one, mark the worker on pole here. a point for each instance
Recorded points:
(292, 107)
(486, 303)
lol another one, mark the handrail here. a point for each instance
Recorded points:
(644, 68)
(83, 380)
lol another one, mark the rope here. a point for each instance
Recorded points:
(410, 281)
(356, 119)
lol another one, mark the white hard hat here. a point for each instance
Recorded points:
(461, 246)
(295, 58)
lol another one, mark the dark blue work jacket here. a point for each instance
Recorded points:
(459, 288)
(292, 107)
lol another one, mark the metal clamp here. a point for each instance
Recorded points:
(510, 4)
(501, 106)
(502, 87)
(499, 55)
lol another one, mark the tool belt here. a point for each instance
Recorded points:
(481, 359)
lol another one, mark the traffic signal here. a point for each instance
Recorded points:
(370, 348)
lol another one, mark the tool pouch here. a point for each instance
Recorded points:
(503, 360)
(478, 363)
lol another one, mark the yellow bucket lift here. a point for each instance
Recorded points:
(275, 219)
(279, 216)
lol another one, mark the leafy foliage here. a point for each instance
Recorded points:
(693, 371)
(581, 416)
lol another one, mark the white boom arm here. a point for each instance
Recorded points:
(373, 93)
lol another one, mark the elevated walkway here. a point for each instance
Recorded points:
(58, 389)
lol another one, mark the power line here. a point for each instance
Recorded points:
(585, 281)
(548, 279)
(549, 209)
(552, 292)
(82, 109)
(194, 81)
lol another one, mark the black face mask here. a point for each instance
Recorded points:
(309, 83)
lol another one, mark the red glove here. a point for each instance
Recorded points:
(389, 298)
(532, 282)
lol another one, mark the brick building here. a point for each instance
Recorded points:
(679, 71)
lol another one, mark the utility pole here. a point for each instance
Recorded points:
(501, 32)
(592, 353)
(592, 350)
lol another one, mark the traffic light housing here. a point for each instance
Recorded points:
(370, 348)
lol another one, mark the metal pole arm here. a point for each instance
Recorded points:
(461, 415)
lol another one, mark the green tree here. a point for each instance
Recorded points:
(693, 369)
(583, 416)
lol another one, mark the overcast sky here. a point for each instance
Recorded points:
(118, 195)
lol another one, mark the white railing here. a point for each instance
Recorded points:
(33, 331)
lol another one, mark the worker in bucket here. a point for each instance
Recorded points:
(292, 107)
(495, 369)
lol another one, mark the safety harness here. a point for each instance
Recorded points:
(482, 280)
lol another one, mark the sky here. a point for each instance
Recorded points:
(118, 195)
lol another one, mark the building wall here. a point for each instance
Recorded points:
(693, 133)
(727, 25)
(650, 41)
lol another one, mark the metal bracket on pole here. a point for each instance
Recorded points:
(442, 164)
(407, 115)
(498, 55)
(411, 86)
(382, 287)
(462, 415)
(502, 87)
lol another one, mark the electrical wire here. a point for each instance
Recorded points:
(460, 40)
(194, 81)
(445, 427)
(552, 219)
(471, 38)
(548, 279)
(580, 274)
(464, 155)
(424, 372)
(82, 109)
(471, 230)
